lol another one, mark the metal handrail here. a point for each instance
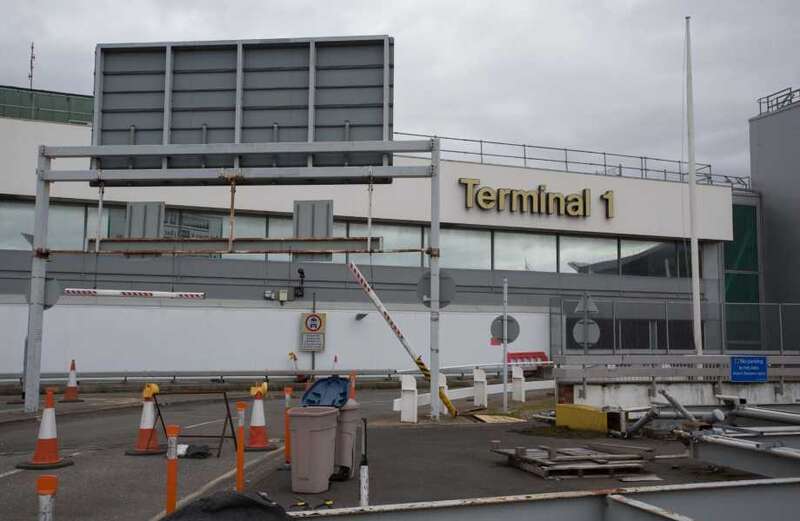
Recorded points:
(778, 100)
(607, 163)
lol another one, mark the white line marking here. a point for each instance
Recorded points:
(204, 423)
(275, 454)
(10, 473)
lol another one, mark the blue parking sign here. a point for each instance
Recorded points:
(748, 369)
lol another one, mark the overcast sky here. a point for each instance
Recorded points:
(600, 75)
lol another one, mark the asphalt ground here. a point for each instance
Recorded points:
(104, 483)
(413, 463)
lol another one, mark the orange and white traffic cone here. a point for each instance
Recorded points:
(147, 440)
(46, 456)
(352, 387)
(257, 438)
(71, 392)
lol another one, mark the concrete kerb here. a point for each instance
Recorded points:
(273, 461)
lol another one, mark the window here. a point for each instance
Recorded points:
(525, 252)
(394, 237)
(112, 225)
(64, 226)
(648, 258)
(742, 252)
(464, 249)
(587, 255)
(246, 226)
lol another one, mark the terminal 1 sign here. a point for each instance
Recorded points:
(536, 201)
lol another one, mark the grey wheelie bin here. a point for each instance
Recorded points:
(348, 451)
(313, 432)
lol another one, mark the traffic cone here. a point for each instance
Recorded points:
(147, 440)
(352, 386)
(71, 392)
(46, 456)
(257, 438)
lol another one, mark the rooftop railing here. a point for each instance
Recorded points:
(42, 105)
(577, 161)
(778, 100)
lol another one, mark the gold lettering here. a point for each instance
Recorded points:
(469, 191)
(574, 205)
(502, 196)
(528, 200)
(542, 198)
(608, 198)
(486, 197)
(552, 199)
(587, 202)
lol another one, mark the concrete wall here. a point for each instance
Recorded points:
(775, 167)
(140, 334)
(629, 395)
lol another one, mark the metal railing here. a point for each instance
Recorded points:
(572, 368)
(641, 326)
(42, 105)
(778, 100)
(577, 161)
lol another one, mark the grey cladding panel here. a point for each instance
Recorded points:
(313, 219)
(200, 91)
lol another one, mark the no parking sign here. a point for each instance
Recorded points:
(312, 332)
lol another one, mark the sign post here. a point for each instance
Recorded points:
(505, 344)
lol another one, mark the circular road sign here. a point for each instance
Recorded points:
(313, 323)
(586, 331)
(447, 288)
(497, 328)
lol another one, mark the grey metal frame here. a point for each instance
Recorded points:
(216, 176)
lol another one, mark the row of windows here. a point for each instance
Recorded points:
(71, 225)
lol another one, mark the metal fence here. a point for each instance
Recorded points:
(778, 100)
(665, 326)
(45, 105)
(577, 161)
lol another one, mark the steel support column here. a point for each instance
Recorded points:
(33, 351)
(433, 245)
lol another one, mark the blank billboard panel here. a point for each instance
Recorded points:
(249, 91)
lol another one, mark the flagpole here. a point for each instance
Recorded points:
(695, 254)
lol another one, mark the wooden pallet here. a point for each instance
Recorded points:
(550, 463)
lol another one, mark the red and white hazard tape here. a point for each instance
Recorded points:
(81, 292)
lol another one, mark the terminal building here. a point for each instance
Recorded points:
(564, 227)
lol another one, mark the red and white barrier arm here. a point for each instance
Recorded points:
(362, 281)
(81, 292)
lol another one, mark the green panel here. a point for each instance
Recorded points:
(741, 287)
(742, 252)
(743, 326)
(45, 106)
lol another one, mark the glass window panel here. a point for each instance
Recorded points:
(91, 223)
(525, 252)
(741, 287)
(742, 252)
(246, 226)
(464, 249)
(587, 255)
(394, 236)
(190, 224)
(116, 222)
(15, 218)
(280, 228)
(648, 258)
(64, 226)
(685, 259)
